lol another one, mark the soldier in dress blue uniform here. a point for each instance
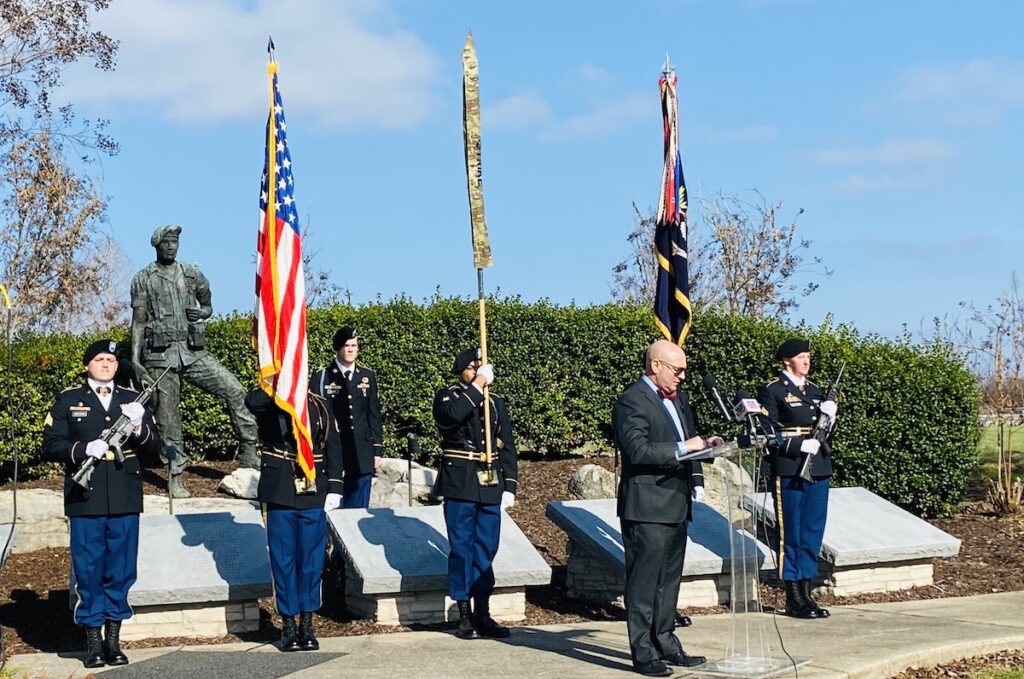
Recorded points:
(472, 510)
(796, 404)
(351, 392)
(296, 510)
(104, 519)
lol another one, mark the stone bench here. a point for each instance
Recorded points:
(870, 544)
(199, 575)
(396, 565)
(7, 537)
(596, 568)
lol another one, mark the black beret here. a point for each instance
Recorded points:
(464, 358)
(103, 346)
(343, 335)
(792, 347)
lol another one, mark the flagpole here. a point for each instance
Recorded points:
(481, 244)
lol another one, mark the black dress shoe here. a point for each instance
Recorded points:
(289, 635)
(683, 620)
(804, 591)
(466, 629)
(655, 668)
(796, 607)
(94, 648)
(683, 660)
(112, 644)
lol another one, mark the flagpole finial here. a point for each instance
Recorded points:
(270, 47)
(667, 66)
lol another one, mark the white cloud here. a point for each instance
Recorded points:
(198, 61)
(517, 112)
(745, 134)
(605, 117)
(978, 91)
(892, 152)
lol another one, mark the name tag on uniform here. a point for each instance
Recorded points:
(332, 389)
(79, 412)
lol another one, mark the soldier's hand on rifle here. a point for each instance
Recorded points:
(828, 408)
(507, 500)
(134, 412)
(97, 449)
(144, 377)
(810, 446)
(193, 314)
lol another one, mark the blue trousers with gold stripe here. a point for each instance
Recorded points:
(297, 539)
(473, 532)
(104, 556)
(800, 509)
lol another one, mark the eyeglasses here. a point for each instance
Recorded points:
(675, 370)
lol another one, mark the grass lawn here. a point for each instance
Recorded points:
(1001, 674)
(988, 450)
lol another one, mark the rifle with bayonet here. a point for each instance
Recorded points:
(823, 428)
(115, 436)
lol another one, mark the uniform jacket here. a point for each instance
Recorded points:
(279, 469)
(160, 295)
(789, 407)
(654, 486)
(77, 418)
(356, 407)
(458, 414)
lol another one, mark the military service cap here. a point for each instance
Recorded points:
(793, 347)
(103, 346)
(343, 335)
(165, 230)
(464, 358)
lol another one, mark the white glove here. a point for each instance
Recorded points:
(333, 501)
(97, 448)
(828, 408)
(507, 500)
(487, 372)
(134, 412)
(697, 493)
(810, 446)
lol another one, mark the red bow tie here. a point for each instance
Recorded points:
(665, 393)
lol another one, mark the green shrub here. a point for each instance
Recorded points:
(907, 419)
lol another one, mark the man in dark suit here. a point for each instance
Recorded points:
(654, 427)
(105, 518)
(351, 392)
(796, 404)
(472, 506)
(295, 510)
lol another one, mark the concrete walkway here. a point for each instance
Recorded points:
(861, 642)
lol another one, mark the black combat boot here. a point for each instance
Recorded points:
(804, 588)
(94, 647)
(307, 640)
(795, 605)
(484, 622)
(112, 644)
(466, 630)
(289, 635)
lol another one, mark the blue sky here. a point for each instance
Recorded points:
(895, 126)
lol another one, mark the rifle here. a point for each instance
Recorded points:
(823, 428)
(115, 436)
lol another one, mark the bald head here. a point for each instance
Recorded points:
(666, 364)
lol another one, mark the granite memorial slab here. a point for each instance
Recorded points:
(7, 533)
(396, 564)
(870, 544)
(596, 568)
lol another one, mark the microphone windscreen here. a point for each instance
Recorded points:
(709, 382)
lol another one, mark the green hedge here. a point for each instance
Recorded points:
(908, 417)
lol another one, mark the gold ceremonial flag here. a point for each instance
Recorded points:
(474, 173)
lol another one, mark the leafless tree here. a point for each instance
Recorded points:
(320, 289)
(739, 258)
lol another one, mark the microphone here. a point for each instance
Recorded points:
(711, 384)
(746, 407)
(412, 447)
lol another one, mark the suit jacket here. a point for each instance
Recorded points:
(77, 418)
(356, 407)
(278, 466)
(789, 408)
(654, 486)
(458, 413)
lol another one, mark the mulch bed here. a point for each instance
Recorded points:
(34, 587)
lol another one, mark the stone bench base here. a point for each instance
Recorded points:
(192, 620)
(409, 608)
(588, 578)
(890, 577)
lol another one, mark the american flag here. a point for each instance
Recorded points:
(672, 309)
(280, 325)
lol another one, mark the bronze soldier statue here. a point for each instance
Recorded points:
(170, 304)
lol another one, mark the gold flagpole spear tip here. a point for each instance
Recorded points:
(271, 61)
